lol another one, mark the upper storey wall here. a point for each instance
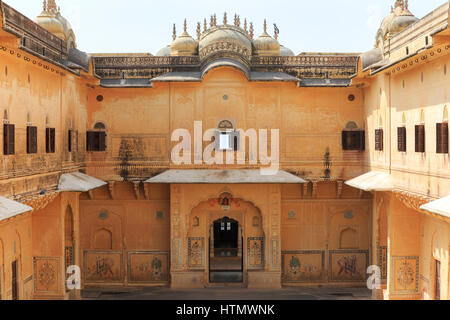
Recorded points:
(408, 98)
(34, 92)
(140, 122)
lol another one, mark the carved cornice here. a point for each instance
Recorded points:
(40, 202)
(412, 200)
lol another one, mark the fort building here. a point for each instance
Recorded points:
(88, 175)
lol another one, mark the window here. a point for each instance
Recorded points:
(437, 280)
(420, 138)
(442, 137)
(14, 281)
(8, 139)
(69, 140)
(96, 141)
(31, 139)
(354, 140)
(50, 140)
(401, 139)
(379, 139)
(227, 138)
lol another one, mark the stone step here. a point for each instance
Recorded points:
(226, 277)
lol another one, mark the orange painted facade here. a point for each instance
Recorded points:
(131, 232)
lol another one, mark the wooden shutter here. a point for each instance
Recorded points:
(401, 139)
(31, 140)
(420, 138)
(438, 280)
(14, 288)
(5, 139)
(236, 140)
(89, 140)
(52, 140)
(101, 141)
(8, 139)
(362, 140)
(441, 137)
(69, 140)
(47, 140)
(445, 137)
(379, 139)
(346, 140)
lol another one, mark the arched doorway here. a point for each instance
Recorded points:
(226, 263)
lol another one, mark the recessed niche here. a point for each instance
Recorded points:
(99, 98)
(351, 97)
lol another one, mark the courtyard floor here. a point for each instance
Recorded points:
(231, 294)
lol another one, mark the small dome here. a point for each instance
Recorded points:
(184, 45)
(399, 19)
(164, 52)
(51, 20)
(265, 45)
(286, 52)
(402, 22)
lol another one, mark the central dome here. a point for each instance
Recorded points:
(225, 38)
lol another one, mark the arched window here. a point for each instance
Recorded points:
(227, 138)
(353, 138)
(96, 139)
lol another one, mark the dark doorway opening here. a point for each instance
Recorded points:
(226, 254)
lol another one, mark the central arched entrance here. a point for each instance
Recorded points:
(226, 263)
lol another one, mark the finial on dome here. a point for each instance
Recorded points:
(406, 4)
(174, 33)
(225, 18)
(276, 31)
(265, 25)
(44, 6)
(215, 20)
(199, 30)
(238, 21)
(51, 5)
(205, 25)
(185, 25)
(399, 3)
(251, 30)
(245, 25)
(235, 19)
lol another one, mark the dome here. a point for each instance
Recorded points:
(51, 20)
(265, 45)
(225, 38)
(402, 22)
(164, 52)
(184, 45)
(286, 52)
(399, 19)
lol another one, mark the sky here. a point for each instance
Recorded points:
(141, 26)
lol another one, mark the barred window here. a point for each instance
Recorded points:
(379, 140)
(50, 134)
(401, 139)
(420, 138)
(8, 139)
(442, 137)
(31, 139)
